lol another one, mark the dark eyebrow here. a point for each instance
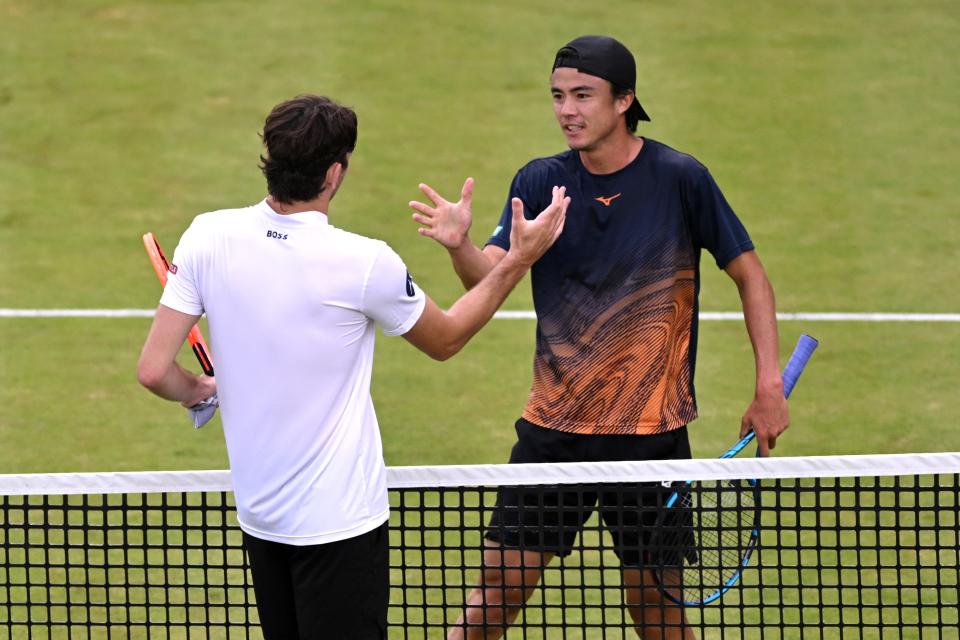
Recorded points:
(574, 89)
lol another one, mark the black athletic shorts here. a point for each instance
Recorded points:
(549, 520)
(339, 590)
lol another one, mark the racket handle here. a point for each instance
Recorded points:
(200, 351)
(798, 360)
(791, 373)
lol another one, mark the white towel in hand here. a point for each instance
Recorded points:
(201, 412)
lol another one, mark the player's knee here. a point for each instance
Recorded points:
(509, 578)
(644, 597)
(507, 587)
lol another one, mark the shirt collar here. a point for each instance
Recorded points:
(302, 218)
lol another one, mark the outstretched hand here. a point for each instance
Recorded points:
(530, 239)
(445, 222)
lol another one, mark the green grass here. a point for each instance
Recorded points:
(831, 127)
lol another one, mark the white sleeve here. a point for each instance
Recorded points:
(390, 296)
(182, 292)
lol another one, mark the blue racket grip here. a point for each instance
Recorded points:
(791, 373)
(798, 360)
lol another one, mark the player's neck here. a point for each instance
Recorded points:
(321, 203)
(612, 154)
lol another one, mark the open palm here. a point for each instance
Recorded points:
(446, 222)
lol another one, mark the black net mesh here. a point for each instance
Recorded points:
(863, 557)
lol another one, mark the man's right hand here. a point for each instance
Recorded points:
(441, 334)
(204, 387)
(445, 222)
(530, 239)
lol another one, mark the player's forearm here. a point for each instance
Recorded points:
(170, 382)
(759, 312)
(470, 263)
(476, 307)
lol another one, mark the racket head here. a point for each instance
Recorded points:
(157, 260)
(162, 267)
(704, 538)
(707, 531)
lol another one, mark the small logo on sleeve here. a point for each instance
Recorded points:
(410, 290)
(172, 268)
(497, 231)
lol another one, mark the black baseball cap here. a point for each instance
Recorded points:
(606, 58)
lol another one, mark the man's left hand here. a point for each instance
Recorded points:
(768, 416)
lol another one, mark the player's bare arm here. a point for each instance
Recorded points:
(158, 370)
(767, 414)
(449, 224)
(441, 334)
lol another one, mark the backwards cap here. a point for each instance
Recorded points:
(603, 57)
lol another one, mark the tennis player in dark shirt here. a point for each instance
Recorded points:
(617, 306)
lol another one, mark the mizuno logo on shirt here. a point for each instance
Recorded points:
(606, 201)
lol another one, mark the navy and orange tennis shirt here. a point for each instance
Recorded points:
(617, 295)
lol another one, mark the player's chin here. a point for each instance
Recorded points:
(578, 144)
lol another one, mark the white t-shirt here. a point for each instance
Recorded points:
(291, 302)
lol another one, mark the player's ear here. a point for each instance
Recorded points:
(334, 176)
(623, 101)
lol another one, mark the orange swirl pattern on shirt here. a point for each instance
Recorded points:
(624, 371)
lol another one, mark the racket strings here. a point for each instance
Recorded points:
(702, 541)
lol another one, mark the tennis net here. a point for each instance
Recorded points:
(848, 547)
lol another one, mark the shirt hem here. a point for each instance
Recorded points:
(317, 538)
(411, 320)
(503, 244)
(591, 429)
(182, 308)
(740, 249)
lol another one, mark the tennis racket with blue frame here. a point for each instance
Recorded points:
(707, 531)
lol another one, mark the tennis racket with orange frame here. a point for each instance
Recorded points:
(200, 413)
(162, 267)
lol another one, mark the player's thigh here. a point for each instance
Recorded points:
(630, 510)
(342, 588)
(273, 586)
(544, 519)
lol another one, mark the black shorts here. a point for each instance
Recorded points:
(334, 590)
(549, 519)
